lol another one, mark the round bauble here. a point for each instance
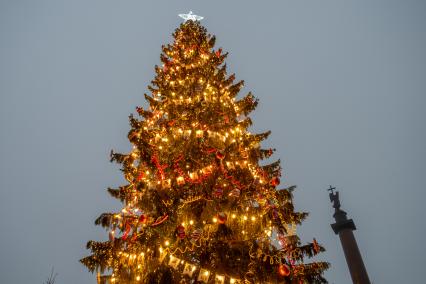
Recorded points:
(220, 155)
(275, 181)
(142, 219)
(221, 218)
(284, 270)
(180, 232)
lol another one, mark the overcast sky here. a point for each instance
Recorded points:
(341, 85)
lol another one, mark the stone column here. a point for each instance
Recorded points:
(344, 227)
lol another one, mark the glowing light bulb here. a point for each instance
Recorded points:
(253, 218)
(245, 217)
(138, 278)
(232, 281)
(167, 243)
(233, 216)
(191, 222)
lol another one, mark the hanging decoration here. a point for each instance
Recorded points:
(221, 218)
(189, 269)
(160, 220)
(316, 246)
(126, 231)
(284, 270)
(174, 261)
(204, 276)
(180, 232)
(219, 279)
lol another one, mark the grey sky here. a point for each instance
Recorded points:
(341, 85)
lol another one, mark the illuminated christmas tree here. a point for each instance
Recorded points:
(198, 205)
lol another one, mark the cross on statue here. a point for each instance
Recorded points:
(334, 197)
(331, 188)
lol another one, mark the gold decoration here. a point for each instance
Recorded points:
(189, 269)
(204, 276)
(219, 279)
(180, 180)
(174, 261)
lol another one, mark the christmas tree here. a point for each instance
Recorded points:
(198, 205)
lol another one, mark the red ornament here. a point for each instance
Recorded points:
(275, 181)
(142, 219)
(180, 231)
(284, 270)
(140, 176)
(220, 155)
(282, 240)
(218, 52)
(134, 237)
(126, 232)
(139, 110)
(221, 218)
(316, 246)
(211, 150)
(160, 220)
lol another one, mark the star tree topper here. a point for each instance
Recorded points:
(190, 16)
